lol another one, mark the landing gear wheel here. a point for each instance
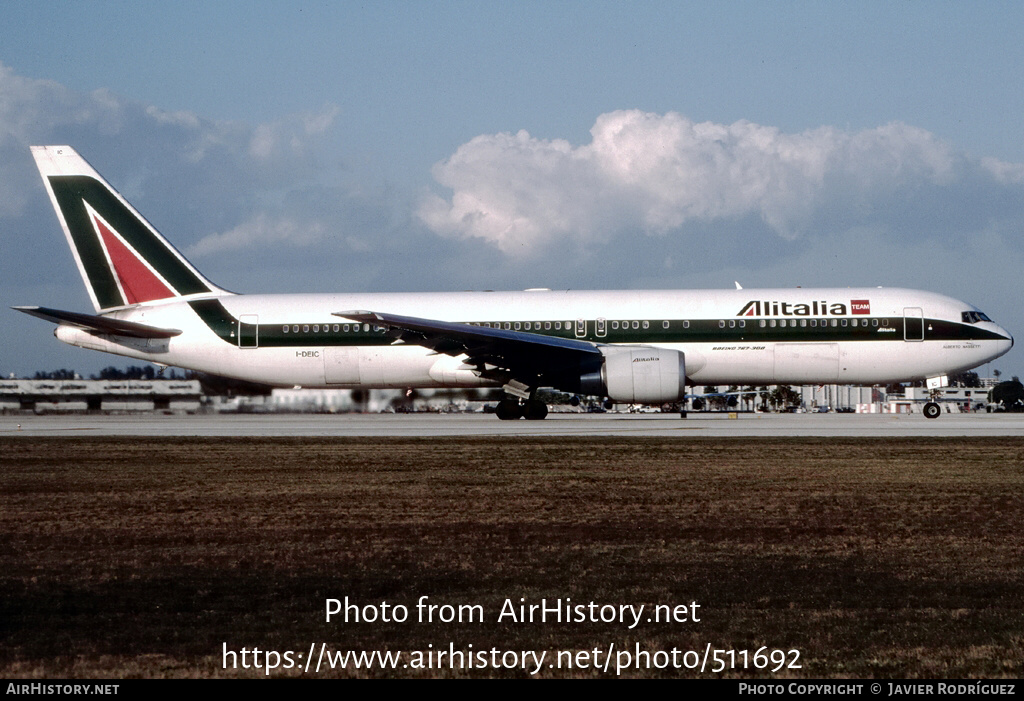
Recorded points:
(508, 409)
(534, 410)
(932, 410)
(608, 404)
(682, 414)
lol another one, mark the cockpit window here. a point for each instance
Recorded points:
(973, 317)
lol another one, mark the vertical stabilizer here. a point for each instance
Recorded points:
(122, 258)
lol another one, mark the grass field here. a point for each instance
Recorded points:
(871, 557)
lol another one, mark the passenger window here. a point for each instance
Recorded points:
(743, 323)
(761, 323)
(844, 322)
(874, 322)
(664, 324)
(647, 324)
(803, 323)
(732, 323)
(285, 328)
(305, 328)
(686, 324)
(835, 323)
(814, 323)
(721, 324)
(772, 323)
(636, 324)
(547, 325)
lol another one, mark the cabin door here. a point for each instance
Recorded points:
(913, 324)
(248, 331)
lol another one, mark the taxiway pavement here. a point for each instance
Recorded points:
(454, 425)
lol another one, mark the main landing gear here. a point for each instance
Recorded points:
(531, 409)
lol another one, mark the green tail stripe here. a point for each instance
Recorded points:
(214, 315)
(70, 191)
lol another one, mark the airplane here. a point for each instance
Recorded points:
(625, 346)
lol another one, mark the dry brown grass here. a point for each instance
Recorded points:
(873, 557)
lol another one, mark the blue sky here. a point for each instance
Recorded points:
(442, 145)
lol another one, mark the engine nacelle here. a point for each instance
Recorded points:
(638, 374)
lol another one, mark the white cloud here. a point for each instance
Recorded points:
(657, 173)
(261, 230)
(149, 147)
(1012, 173)
(288, 136)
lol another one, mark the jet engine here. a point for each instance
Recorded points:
(639, 374)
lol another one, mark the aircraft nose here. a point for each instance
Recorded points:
(1007, 335)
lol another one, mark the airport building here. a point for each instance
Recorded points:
(965, 398)
(875, 400)
(43, 396)
(839, 397)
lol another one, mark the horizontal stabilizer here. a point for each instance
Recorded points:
(99, 324)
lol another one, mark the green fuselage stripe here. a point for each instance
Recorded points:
(679, 331)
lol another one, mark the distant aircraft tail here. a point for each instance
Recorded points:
(122, 258)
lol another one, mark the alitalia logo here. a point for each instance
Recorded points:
(758, 307)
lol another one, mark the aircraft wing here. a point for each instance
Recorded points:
(99, 324)
(497, 353)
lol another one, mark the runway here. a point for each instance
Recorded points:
(453, 425)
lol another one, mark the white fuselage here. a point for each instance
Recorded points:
(776, 336)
